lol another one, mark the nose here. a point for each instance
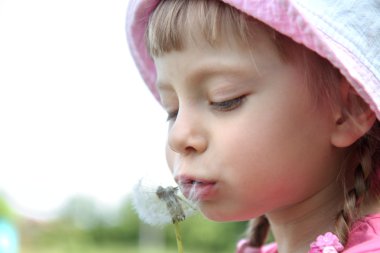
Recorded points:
(187, 134)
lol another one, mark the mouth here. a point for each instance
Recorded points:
(196, 189)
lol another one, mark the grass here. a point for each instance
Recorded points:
(92, 248)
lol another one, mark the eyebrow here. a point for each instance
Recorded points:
(206, 72)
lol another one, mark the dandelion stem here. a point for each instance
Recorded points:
(178, 237)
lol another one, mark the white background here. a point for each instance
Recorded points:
(75, 116)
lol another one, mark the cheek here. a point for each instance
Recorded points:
(276, 145)
(170, 156)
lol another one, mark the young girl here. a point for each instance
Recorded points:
(273, 110)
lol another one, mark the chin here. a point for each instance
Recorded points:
(220, 216)
(220, 211)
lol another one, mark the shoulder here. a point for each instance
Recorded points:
(365, 235)
(243, 247)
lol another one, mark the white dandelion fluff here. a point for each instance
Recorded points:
(158, 205)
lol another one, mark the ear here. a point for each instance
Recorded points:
(353, 117)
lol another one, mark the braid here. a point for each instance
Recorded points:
(258, 231)
(352, 201)
(375, 147)
(367, 148)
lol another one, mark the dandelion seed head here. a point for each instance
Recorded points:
(154, 210)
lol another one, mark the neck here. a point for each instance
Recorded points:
(297, 226)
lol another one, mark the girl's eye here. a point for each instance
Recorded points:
(228, 105)
(172, 115)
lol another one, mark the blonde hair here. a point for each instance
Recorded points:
(174, 22)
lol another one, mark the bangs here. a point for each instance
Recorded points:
(174, 23)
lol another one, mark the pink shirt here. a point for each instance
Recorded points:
(364, 238)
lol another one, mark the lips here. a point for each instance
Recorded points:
(196, 189)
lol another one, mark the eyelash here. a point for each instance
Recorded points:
(225, 106)
(172, 115)
(228, 105)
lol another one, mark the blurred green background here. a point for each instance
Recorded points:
(83, 227)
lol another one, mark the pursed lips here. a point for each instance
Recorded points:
(196, 189)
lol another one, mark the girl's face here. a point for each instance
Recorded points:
(245, 135)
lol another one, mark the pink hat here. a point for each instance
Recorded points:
(346, 32)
